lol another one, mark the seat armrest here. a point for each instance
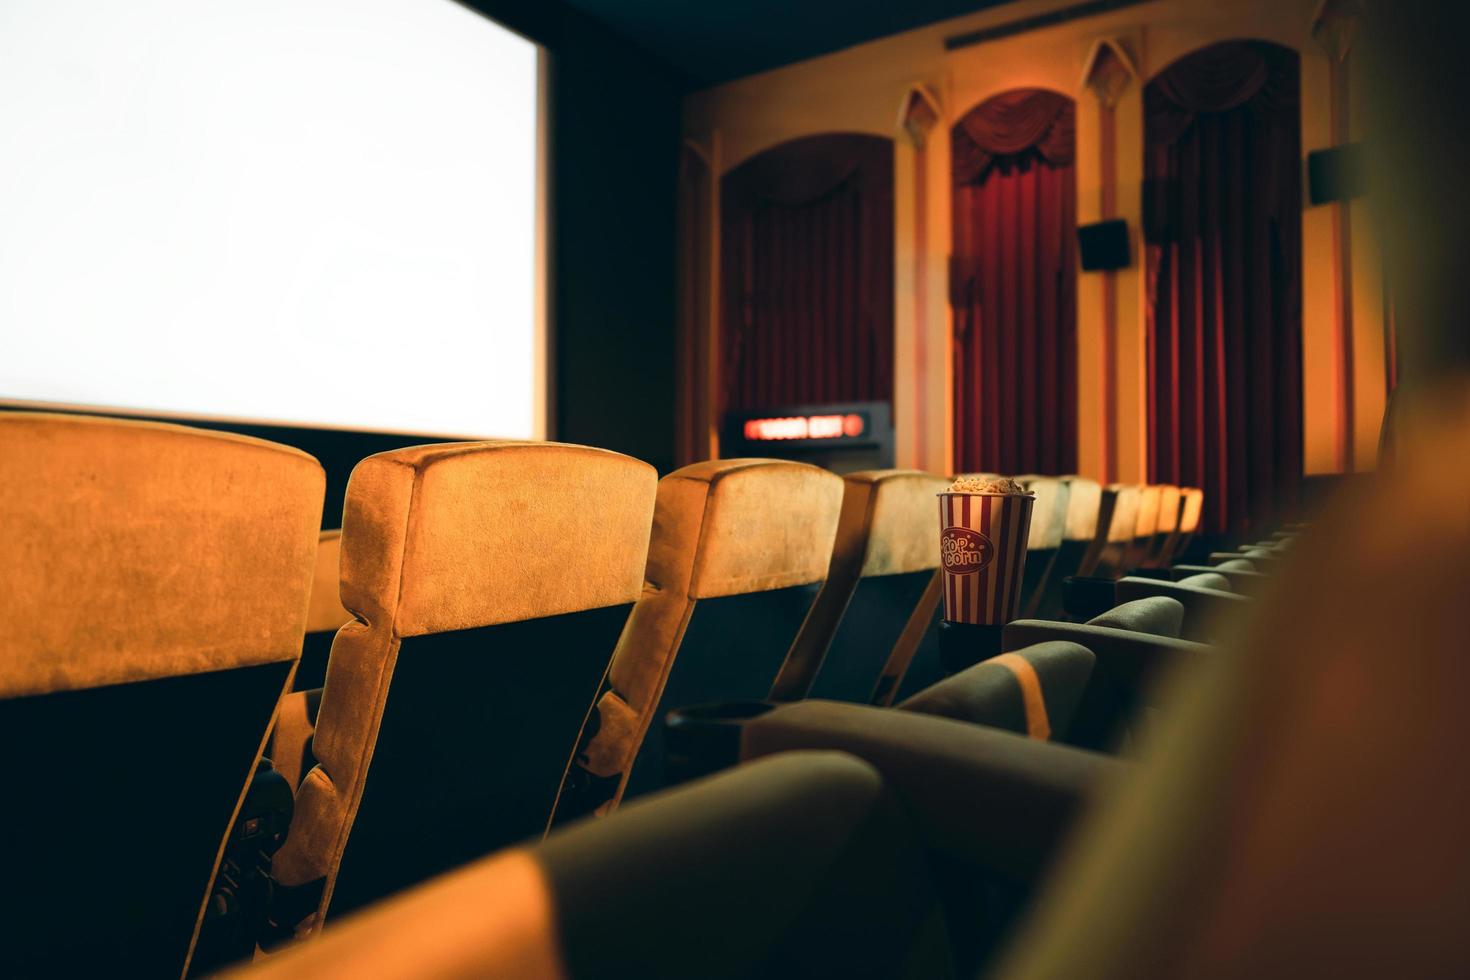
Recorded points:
(1128, 658)
(1123, 679)
(1245, 581)
(1157, 615)
(980, 796)
(1205, 609)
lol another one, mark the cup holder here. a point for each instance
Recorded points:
(963, 645)
(1084, 598)
(705, 738)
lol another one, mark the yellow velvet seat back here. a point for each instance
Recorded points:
(887, 549)
(1145, 525)
(156, 586)
(723, 530)
(1049, 513)
(1117, 524)
(489, 582)
(1084, 501)
(1166, 527)
(326, 612)
(1191, 510)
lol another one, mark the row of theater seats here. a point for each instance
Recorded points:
(488, 586)
(1292, 818)
(522, 604)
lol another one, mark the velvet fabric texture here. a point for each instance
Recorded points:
(1210, 607)
(452, 537)
(886, 527)
(1117, 522)
(1157, 615)
(1222, 225)
(1013, 284)
(1239, 572)
(1084, 500)
(495, 919)
(1032, 691)
(326, 612)
(1191, 509)
(150, 568)
(1166, 528)
(807, 265)
(1145, 525)
(1136, 645)
(139, 550)
(992, 798)
(1049, 513)
(292, 734)
(1009, 124)
(721, 528)
(680, 885)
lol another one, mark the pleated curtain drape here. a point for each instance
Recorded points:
(1222, 224)
(807, 274)
(1013, 285)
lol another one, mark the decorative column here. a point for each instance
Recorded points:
(913, 389)
(1334, 29)
(1107, 74)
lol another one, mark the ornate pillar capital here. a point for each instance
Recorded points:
(917, 114)
(1108, 70)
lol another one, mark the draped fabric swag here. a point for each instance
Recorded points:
(1013, 285)
(807, 270)
(1222, 225)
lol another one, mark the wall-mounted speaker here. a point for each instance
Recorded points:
(1337, 174)
(1103, 245)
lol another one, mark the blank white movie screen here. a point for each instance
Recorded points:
(312, 211)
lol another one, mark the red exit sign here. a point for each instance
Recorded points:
(805, 427)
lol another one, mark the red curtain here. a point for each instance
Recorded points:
(1013, 285)
(807, 270)
(1222, 222)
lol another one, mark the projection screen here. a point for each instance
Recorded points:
(319, 212)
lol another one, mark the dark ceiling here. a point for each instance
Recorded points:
(713, 41)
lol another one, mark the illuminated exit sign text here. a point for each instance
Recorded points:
(850, 426)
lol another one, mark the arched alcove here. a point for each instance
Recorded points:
(806, 265)
(1223, 235)
(1013, 284)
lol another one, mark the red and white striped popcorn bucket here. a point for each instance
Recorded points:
(982, 549)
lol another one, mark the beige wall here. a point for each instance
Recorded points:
(862, 89)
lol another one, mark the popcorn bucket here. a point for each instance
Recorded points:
(982, 549)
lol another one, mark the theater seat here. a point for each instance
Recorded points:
(1239, 572)
(1117, 522)
(983, 797)
(739, 548)
(489, 582)
(1084, 501)
(1136, 645)
(1033, 691)
(290, 745)
(325, 615)
(802, 865)
(1166, 528)
(874, 620)
(1191, 509)
(1044, 542)
(1209, 604)
(1263, 559)
(1145, 527)
(154, 604)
